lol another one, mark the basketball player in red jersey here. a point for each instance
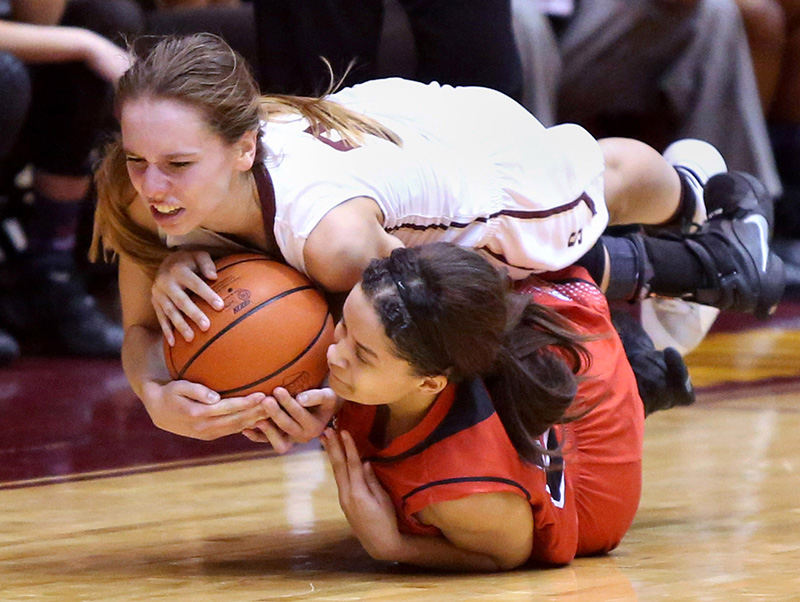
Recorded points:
(482, 428)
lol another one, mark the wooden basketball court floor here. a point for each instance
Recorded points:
(97, 504)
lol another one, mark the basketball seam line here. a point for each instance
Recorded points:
(243, 260)
(286, 365)
(209, 342)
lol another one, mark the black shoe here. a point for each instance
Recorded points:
(77, 326)
(733, 248)
(48, 309)
(9, 350)
(736, 194)
(661, 376)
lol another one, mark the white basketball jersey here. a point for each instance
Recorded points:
(474, 168)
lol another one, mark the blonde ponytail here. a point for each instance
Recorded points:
(324, 115)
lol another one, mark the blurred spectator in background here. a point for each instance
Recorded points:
(458, 42)
(773, 31)
(232, 20)
(57, 66)
(655, 70)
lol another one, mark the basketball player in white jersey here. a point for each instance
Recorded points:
(329, 183)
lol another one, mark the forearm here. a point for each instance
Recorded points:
(439, 553)
(143, 358)
(44, 43)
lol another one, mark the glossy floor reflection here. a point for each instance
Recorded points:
(719, 520)
(68, 417)
(98, 504)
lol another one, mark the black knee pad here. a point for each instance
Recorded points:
(630, 269)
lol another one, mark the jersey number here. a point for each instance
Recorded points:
(575, 238)
(554, 465)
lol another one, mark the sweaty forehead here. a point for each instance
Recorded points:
(163, 126)
(161, 107)
(167, 114)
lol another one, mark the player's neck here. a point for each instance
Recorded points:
(242, 217)
(407, 413)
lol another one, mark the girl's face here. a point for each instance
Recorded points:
(182, 170)
(362, 362)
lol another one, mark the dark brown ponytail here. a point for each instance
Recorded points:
(448, 311)
(534, 379)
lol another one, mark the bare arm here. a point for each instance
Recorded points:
(494, 530)
(343, 243)
(481, 532)
(59, 44)
(142, 355)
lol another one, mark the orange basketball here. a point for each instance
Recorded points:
(273, 331)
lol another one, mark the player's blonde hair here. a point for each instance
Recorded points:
(204, 72)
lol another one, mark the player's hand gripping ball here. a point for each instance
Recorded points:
(274, 331)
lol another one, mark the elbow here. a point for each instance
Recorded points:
(516, 553)
(509, 563)
(339, 268)
(338, 280)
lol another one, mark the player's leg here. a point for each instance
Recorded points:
(661, 375)
(727, 263)
(640, 186)
(669, 322)
(672, 322)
